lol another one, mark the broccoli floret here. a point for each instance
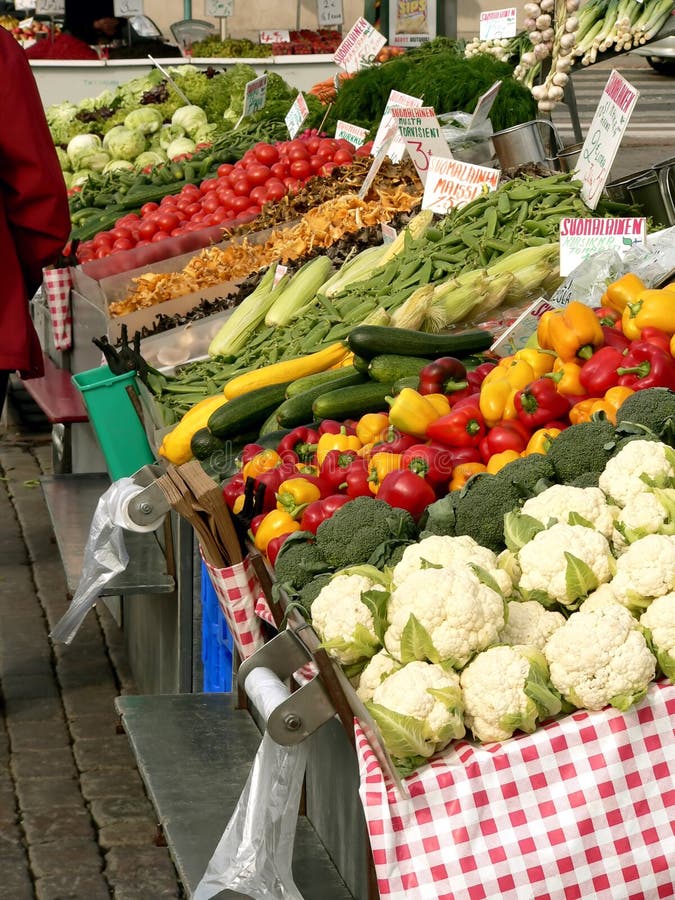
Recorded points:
(483, 503)
(439, 517)
(586, 479)
(585, 447)
(356, 530)
(530, 474)
(298, 561)
(649, 411)
(308, 594)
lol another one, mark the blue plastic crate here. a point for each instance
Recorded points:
(217, 642)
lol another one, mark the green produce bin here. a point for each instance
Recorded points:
(114, 419)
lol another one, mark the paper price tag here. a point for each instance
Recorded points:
(125, 8)
(275, 37)
(329, 12)
(581, 238)
(378, 160)
(359, 47)
(255, 95)
(296, 115)
(484, 106)
(353, 133)
(220, 9)
(604, 136)
(452, 183)
(421, 132)
(498, 23)
(397, 147)
(279, 273)
(24, 4)
(50, 7)
(411, 23)
(389, 234)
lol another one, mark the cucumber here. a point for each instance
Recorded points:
(204, 444)
(247, 411)
(361, 364)
(389, 367)
(352, 402)
(270, 440)
(269, 426)
(300, 385)
(409, 382)
(297, 410)
(373, 340)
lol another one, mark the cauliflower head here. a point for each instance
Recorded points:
(561, 500)
(444, 616)
(441, 550)
(528, 622)
(644, 571)
(649, 512)
(602, 596)
(506, 689)
(419, 710)
(378, 668)
(637, 464)
(600, 657)
(346, 615)
(660, 620)
(564, 564)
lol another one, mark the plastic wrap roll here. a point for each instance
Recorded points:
(126, 491)
(265, 690)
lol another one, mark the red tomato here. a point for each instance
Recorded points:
(209, 184)
(103, 251)
(249, 157)
(259, 194)
(191, 191)
(177, 231)
(299, 152)
(103, 237)
(292, 185)
(301, 168)
(316, 162)
(343, 158)
(254, 210)
(258, 174)
(326, 168)
(119, 232)
(239, 204)
(275, 190)
(210, 202)
(127, 220)
(312, 144)
(160, 236)
(142, 244)
(220, 215)
(328, 145)
(148, 208)
(242, 186)
(166, 222)
(345, 145)
(192, 209)
(266, 154)
(224, 169)
(280, 169)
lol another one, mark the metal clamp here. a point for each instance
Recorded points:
(150, 505)
(306, 709)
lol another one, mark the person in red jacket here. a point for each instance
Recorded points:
(34, 217)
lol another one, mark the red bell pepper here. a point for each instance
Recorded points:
(301, 442)
(357, 482)
(509, 434)
(233, 488)
(610, 318)
(272, 478)
(647, 366)
(330, 426)
(460, 455)
(275, 546)
(335, 465)
(598, 374)
(614, 337)
(395, 441)
(255, 522)
(432, 462)
(463, 427)
(315, 513)
(404, 489)
(539, 402)
(249, 451)
(443, 376)
(657, 337)
(469, 398)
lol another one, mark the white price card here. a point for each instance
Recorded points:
(397, 147)
(498, 23)
(452, 183)
(421, 132)
(275, 37)
(581, 238)
(329, 12)
(219, 9)
(50, 7)
(389, 233)
(255, 95)
(279, 273)
(24, 4)
(376, 164)
(484, 106)
(604, 136)
(296, 115)
(359, 47)
(128, 8)
(353, 133)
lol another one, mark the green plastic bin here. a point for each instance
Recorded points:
(118, 428)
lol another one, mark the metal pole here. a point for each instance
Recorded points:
(187, 9)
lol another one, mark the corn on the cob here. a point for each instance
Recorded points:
(238, 327)
(301, 290)
(414, 229)
(359, 267)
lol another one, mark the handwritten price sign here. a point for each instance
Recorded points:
(397, 146)
(497, 23)
(421, 132)
(360, 47)
(50, 7)
(125, 8)
(329, 12)
(296, 115)
(451, 183)
(219, 9)
(275, 37)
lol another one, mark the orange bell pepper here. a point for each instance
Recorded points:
(541, 441)
(623, 291)
(275, 523)
(567, 378)
(379, 466)
(611, 402)
(372, 427)
(582, 411)
(570, 332)
(462, 473)
(261, 462)
(340, 441)
(498, 460)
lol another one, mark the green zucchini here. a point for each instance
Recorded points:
(298, 410)
(300, 385)
(373, 340)
(204, 444)
(389, 367)
(408, 382)
(247, 411)
(352, 402)
(361, 364)
(270, 439)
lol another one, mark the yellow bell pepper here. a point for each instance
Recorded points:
(379, 466)
(500, 387)
(542, 361)
(340, 441)
(295, 494)
(175, 445)
(567, 377)
(462, 473)
(275, 523)
(570, 332)
(372, 427)
(651, 309)
(412, 413)
(261, 462)
(622, 292)
(498, 460)
(541, 440)
(440, 403)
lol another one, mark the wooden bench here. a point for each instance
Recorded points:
(62, 404)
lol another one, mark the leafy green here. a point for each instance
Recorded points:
(623, 702)
(485, 578)
(580, 579)
(416, 643)
(576, 518)
(519, 529)
(404, 736)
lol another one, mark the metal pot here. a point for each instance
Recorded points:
(568, 156)
(618, 189)
(523, 143)
(653, 195)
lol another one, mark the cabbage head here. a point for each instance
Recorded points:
(119, 165)
(150, 158)
(168, 133)
(147, 120)
(96, 161)
(80, 177)
(64, 160)
(191, 118)
(205, 134)
(108, 136)
(179, 147)
(126, 144)
(82, 145)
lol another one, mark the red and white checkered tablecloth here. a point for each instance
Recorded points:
(583, 809)
(238, 590)
(57, 284)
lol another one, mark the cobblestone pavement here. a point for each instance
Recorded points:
(75, 822)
